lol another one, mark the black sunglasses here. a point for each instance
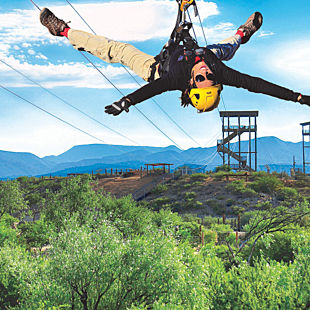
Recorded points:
(199, 78)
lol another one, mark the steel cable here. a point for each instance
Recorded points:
(51, 114)
(67, 103)
(133, 77)
(123, 94)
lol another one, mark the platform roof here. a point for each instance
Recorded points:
(238, 113)
(304, 124)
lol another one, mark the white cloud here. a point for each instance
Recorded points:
(41, 56)
(265, 33)
(73, 75)
(291, 61)
(129, 21)
(26, 45)
(219, 32)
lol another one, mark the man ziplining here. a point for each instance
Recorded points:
(198, 73)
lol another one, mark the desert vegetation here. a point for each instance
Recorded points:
(64, 245)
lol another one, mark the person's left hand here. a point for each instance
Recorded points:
(118, 107)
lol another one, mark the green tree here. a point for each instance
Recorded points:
(267, 222)
(11, 198)
(15, 272)
(75, 196)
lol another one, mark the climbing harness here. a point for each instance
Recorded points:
(179, 34)
(203, 99)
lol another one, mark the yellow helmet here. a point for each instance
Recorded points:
(205, 99)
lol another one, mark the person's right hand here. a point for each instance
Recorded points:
(118, 107)
(304, 100)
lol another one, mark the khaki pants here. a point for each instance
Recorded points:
(113, 52)
(118, 52)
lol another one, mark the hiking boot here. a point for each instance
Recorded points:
(54, 25)
(253, 23)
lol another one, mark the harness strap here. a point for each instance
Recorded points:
(153, 69)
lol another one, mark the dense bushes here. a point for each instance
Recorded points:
(107, 253)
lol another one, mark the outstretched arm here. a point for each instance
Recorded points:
(257, 85)
(145, 92)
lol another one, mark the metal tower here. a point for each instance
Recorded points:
(305, 144)
(235, 124)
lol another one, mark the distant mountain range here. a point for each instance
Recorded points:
(90, 158)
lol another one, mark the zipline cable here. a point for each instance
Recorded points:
(134, 105)
(201, 25)
(122, 93)
(222, 97)
(133, 77)
(66, 102)
(51, 114)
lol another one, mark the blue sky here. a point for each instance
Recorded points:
(279, 52)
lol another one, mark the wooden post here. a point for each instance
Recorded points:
(239, 223)
(202, 238)
(237, 235)
(224, 218)
(111, 171)
(218, 220)
(106, 172)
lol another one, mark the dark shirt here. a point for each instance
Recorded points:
(179, 75)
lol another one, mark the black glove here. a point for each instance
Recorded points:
(118, 107)
(304, 100)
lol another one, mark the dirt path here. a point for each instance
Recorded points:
(119, 186)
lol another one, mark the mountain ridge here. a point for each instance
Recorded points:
(271, 151)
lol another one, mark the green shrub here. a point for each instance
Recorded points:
(224, 168)
(190, 231)
(210, 236)
(237, 210)
(236, 187)
(157, 203)
(246, 216)
(196, 183)
(209, 220)
(7, 233)
(266, 184)
(198, 176)
(185, 186)
(246, 203)
(34, 234)
(248, 192)
(219, 176)
(266, 205)
(190, 195)
(217, 207)
(160, 188)
(287, 193)
(230, 202)
(276, 246)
